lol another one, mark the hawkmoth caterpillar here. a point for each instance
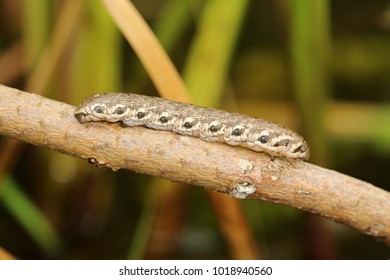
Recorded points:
(208, 124)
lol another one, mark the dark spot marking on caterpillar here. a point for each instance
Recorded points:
(214, 128)
(263, 139)
(141, 115)
(297, 149)
(99, 109)
(283, 142)
(237, 132)
(164, 119)
(120, 110)
(188, 125)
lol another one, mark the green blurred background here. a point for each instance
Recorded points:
(320, 67)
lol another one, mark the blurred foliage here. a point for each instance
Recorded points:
(54, 206)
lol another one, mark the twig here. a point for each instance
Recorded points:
(232, 170)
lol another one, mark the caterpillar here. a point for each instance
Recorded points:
(208, 124)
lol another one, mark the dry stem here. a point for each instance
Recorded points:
(40, 121)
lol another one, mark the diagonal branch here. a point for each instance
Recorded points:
(239, 172)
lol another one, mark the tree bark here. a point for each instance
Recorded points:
(239, 172)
